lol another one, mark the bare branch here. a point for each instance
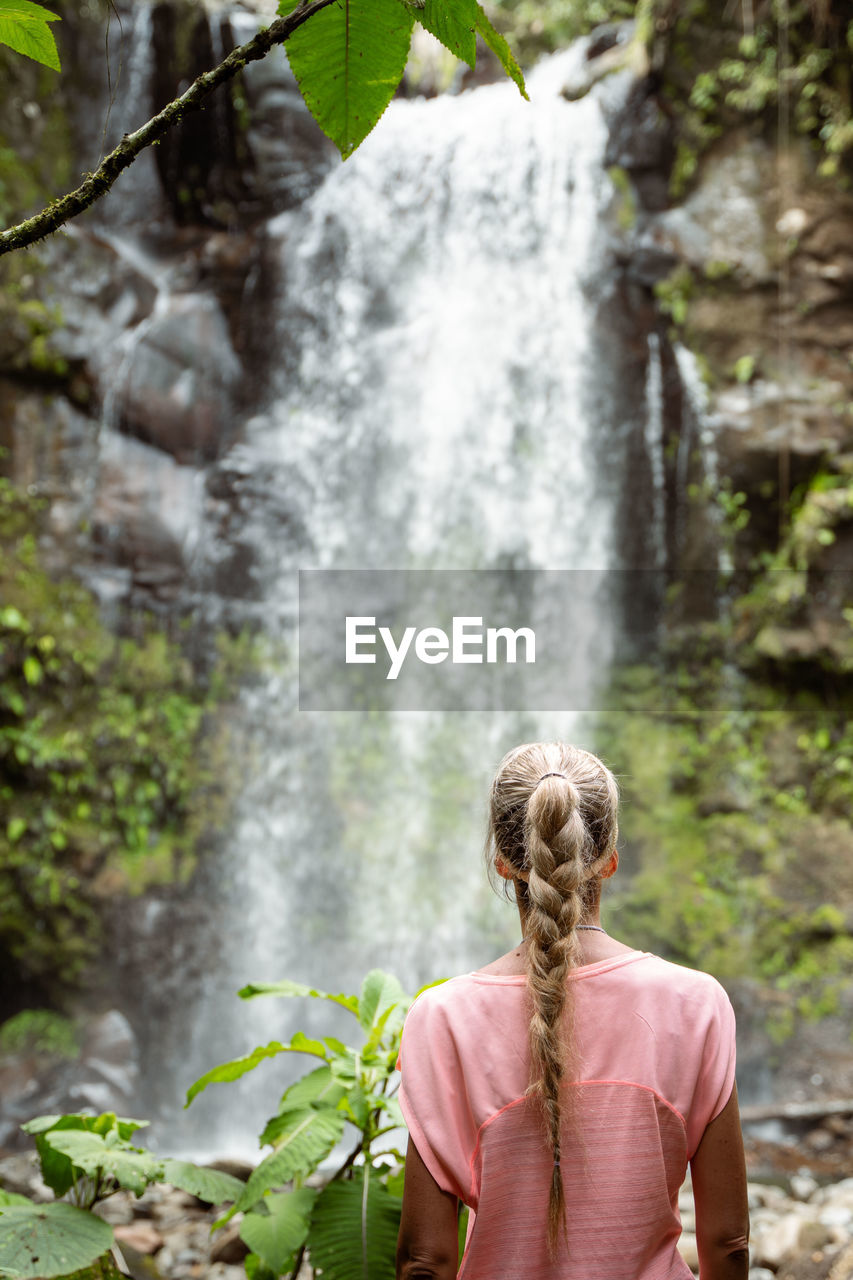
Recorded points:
(98, 183)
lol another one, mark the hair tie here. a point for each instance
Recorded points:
(553, 774)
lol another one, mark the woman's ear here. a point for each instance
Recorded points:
(509, 873)
(610, 869)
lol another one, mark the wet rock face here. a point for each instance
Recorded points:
(290, 154)
(641, 143)
(180, 385)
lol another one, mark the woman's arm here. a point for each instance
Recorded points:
(718, 1170)
(427, 1246)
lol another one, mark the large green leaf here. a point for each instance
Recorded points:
(307, 1137)
(45, 1240)
(348, 60)
(24, 28)
(353, 1231)
(379, 993)
(499, 47)
(318, 1089)
(286, 988)
(300, 1043)
(211, 1185)
(276, 1234)
(94, 1154)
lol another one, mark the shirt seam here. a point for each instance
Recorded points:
(571, 1084)
(576, 975)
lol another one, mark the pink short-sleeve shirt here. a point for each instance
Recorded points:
(655, 1045)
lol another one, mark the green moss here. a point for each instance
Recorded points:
(40, 1031)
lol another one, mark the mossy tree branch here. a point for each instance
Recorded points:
(99, 183)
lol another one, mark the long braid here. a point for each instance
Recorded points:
(554, 836)
(553, 820)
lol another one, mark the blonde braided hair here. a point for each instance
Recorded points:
(552, 823)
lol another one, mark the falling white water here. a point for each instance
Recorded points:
(442, 402)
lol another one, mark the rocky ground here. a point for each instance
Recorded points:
(801, 1210)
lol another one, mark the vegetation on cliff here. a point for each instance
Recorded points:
(785, 62)
(112, 772)
(736, 748)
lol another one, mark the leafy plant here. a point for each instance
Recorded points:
(86, 1159)
(348, 1229)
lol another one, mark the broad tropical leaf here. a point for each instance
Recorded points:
(24, 28)
(348, 60)
(318, 1088)
(277, 1234)
(56, 1167)
(45, 1240)
(286, 988)
(211, 1185)
(307, 1137)
(353, 1231)
(92, 1153)
(379, 992)
(238, 1067)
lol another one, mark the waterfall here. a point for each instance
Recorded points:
(442, 400)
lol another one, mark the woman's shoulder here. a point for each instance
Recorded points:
(668, 983)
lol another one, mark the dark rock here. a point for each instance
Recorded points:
(641, 142)
(109, 1038)
(241, 1169)
(21, 1174)
(290, 154)
(179, 391)
(228, 1245)
(604, 37)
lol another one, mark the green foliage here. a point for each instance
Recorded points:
(40, 1031)
(718, 72)
(349, 1228)
(349, 58)
(535, 27)
(24, 27)
(107, 761)
(87, 1158)
(354, 1227)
